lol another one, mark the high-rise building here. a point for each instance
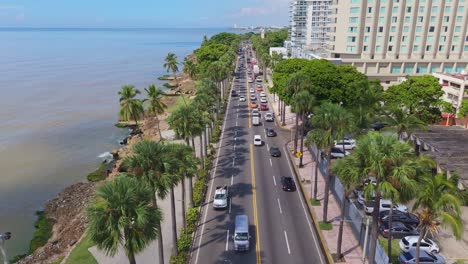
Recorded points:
(309, 23)
(387, 39)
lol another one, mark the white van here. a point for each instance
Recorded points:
(241, 233)
(256, 120)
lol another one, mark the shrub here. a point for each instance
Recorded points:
(180, 259)
(199, 187)
(185, 239)
(99, 174)
(192, 216)
(42, 233)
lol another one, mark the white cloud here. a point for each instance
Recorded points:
(262, 8)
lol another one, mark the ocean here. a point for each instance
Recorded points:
(59, 104)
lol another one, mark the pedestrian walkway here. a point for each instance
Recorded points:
(350, 247)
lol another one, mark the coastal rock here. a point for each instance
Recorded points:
(67, 211)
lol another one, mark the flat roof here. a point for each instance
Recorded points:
(459, 76)
(448, 145)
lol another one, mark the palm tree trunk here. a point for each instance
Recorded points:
(418, 245)
(279, 106)
(200, 137)
(184, 221)
(375, 228)
(206, 141)
(159, 129)
(187, 141)
(317, 161)
(191, 192)
(131, 258)
(160, 237)
(283, 113)
(340, 230)
(193, 143)
(302, 142)
(175, 250)
(327, 186)
(389, 239)
(296, 133)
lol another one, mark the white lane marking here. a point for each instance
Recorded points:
(271, 163)
(304, 209)
(287, 242)
(236, 121)
(264, 131)
(274, 179)
(212, 182)
(237, 115)
(232, 178)
(268, 147)
(227, 240)
(234, 161)
(279, 205)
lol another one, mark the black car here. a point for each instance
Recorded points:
(275, 151)
(233, 93)
(398, 216)
(399, 230)
(288, 184)
(270, 132)
(377, 126)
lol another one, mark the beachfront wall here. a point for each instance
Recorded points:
(353, 215)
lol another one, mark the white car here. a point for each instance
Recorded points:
(252, 90)
(220, 197)
(345, 145)
(339, 153)
(255, 112)
(253, 98)
(250, 80)
(257, 140)
(427, 245)
(269, 117)
(241, 98)
(259, 79)
(263, 100)
(262, 94)
(384, 206)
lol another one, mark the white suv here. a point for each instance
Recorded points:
(257, 140)
(427, 244)
(268, 117)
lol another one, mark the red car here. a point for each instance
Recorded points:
(259, 89)
(253, 105)
(264, 107)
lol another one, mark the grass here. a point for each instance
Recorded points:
(99, 174)
(395, 248)
(58, 261)
(168, 85)
(165, 77)
(179, 102)
(325, 226)
(42, 233)
(314, 202)
(80, 254)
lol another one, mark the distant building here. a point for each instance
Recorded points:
(388, 39)
(454, 87)
(279, 50)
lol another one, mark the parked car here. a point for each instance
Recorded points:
(339, 153)
(399, 230)
(259, 79)
(259, 89)
(250, 80)
(262, 94)
(288, 184)
(253, 98)
(241, 98)
(252, 90)
(264, 107)
(398, 216)
(269, 117)
(257, 140)
(270, 132)
(259, 85)
(263, 100)
(345, 145)
(253, 105)
(424, 257)
(275, 151)
(409, 242)
(384, 205)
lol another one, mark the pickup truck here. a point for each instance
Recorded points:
(220, 197)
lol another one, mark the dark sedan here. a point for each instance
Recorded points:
(288, 184)
(399, 230)
(275, 151)
(398, 216)
(270, 132)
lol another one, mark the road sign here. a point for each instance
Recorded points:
(298, 154)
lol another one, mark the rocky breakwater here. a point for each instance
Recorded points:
(67, 211)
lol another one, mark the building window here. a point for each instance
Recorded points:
(420, 18)
(378, 48)
(395, 69)
(350, 48)
(408, 69)
(421, 69)
(445, 29)
(441, 47)
(421, 9)
(408, 9)
(366, 39)
(448, 8)
(394, 19)
(460, 9)
(417, 39)
(405, 29)
(352, 29)
(456, 38)
(380, 29)
(465, 48)
(434, 9)
(433, 19)
(430, 38)
(415, 48)
(431, 29)
(457, 28)
(404, 38)
(459, 18)
(435, 69)
(418, 29)
(448, 69)
(354, 10)
(404, 48)
(407, 19)
(364, 48)
(381, 20)
(379, 38)
(393, 29)
(351, 39)
(429, 48)
(382, 10)
(443, 38)
(390, 39)
(446, 18)
(390, 48)
(454, 48)
(353, 20)
(369, 10)
(355, 1)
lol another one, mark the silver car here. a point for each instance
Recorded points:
(424, 257)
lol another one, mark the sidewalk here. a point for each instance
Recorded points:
(350, 246)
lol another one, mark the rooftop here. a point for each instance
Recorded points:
(461, 76)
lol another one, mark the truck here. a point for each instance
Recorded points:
(255, 120)
(256, 70)
(220, 197)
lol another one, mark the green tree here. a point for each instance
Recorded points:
(122, 214)
(130, 107)
(208, 54)
(217, 72)
(403, 122)
(419, 95)
(330, 122)
(266, 61)
(190, 68)
(156, 106)
(296, 83)
(303, 103)
(182, 121)
(463, 109)
(171, 65)
(438, 204)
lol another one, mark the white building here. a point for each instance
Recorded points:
(454, 87)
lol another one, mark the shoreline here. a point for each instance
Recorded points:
(66, 212)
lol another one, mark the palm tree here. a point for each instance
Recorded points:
(155, 104)
(438, 204)
(122, 214)
(266, 61)
(403, 122)
(170, 63)
(190, 68)
(331, 122)
(182, 122)
(346, 170)
(303, 103)
(394, 166)
(149, 163)
(130, 107)
(217, 71)
(296, 83)
(187, 169)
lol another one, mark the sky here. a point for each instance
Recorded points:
(142, 13)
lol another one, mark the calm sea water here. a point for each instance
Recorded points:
(58, 104)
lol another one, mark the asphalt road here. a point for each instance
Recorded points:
(280, 227)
